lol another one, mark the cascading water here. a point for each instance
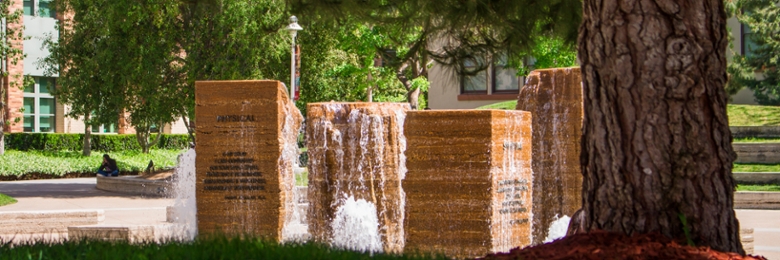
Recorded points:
(558, 228)
(184, 211)
(356, 162)
(512, 170)
(293, 228)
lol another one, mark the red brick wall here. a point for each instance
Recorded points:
(14, 81)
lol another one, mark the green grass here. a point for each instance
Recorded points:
(757, 140)
(758, 187)
(507, 105)
(214, 248)
(5, 200)
(748, 115)
(749, 167)
(302, 179)
(60, 163)
(739, 115)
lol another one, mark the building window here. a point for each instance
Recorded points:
(748, 45)
(104, 129)
(39, 106)
(505, 80)
(473, 84)
(46, 9)
(29, 7)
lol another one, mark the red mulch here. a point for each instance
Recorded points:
(604, 245)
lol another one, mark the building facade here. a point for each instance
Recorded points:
(36, 109)
(450, 90)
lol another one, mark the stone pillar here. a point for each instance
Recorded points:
(246, 132)
(355, 169)
(468, 186)
(554, 98)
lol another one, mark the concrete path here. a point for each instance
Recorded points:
(122, 209)
(766, 230)
(81, 194)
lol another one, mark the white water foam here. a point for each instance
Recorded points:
(558, 228)
(356, 226)
(184, 210)
(293, 228)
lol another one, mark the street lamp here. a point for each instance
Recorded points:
(293, 28)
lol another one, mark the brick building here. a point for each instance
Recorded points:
(37, 109)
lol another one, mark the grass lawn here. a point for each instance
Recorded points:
(5, 200)
(747, 115)
(302, 179)
(745, 167)
(57, 164)
(757, 140)
(739, 115)
(507, 105)
(758, 187)
(210, 248)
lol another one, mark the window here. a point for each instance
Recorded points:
(46, 9)
(29, 7)
(104, 129)
(505, 79)
(748, 45)
(39, 106)
(473, 84)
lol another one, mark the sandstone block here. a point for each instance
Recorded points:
(468, 186)
(244, 169)
(554, 98)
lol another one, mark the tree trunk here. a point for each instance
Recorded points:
(656, 147)
(190, 129)
(86, 148)
(2, 115)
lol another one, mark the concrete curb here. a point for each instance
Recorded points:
(756, 200)
(757, 152)
(755, 131)
(47, 222)
(135, 185)
(757, 177)
(132, 234)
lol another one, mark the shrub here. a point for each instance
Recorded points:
(53, 142)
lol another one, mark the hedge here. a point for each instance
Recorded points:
(100, 142)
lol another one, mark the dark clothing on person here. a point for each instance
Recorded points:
(108, 167)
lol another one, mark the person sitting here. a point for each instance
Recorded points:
(108, 167)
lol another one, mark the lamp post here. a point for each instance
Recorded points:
(293, 28)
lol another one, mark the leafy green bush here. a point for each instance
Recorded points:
(58, 164)
(101, 143)
(208, 248)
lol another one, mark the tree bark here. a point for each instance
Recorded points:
(656, 147)
(86, 145)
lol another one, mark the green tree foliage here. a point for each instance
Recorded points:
(10, 50)
(549, 51)
(414, 33)
(758, 70)
(82, 85)
(451, 32)
(143, 57)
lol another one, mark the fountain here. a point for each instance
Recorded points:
(468, 186)
(471, 187)
(356, 164)
(246, 132)
(554, 98)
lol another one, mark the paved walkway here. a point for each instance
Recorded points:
(81, 194)
(120, 209)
